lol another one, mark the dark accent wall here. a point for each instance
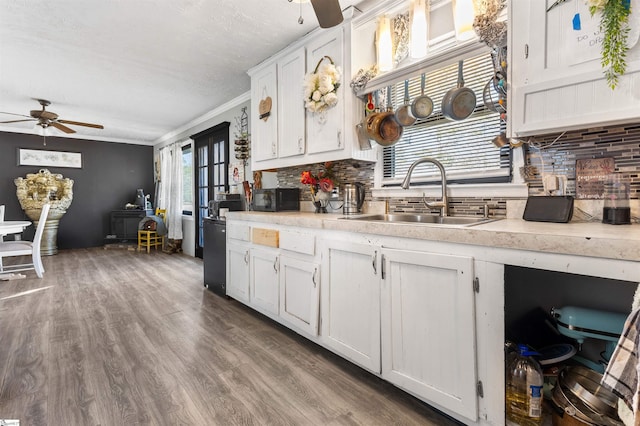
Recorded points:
(110, 174)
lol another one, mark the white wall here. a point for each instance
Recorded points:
(189, 235)
(227, 112)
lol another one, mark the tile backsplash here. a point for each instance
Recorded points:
(558, 154)
(555, 153)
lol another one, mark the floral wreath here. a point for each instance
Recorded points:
(321, 86)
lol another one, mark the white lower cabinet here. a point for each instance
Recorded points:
(350, 302)
(408, 316)
(299, 294)
(264, 279)
(238, 271)
(428, 328)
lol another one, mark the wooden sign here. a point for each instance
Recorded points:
(264, 108)
(591, 175)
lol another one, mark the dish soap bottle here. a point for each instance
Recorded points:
(524, 389)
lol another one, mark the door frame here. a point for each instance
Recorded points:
(214, 183)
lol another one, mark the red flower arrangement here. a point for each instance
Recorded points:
(325, 180)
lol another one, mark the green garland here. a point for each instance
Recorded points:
(615, 16)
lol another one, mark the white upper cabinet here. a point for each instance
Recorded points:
(326, 129)
(556, 78)
(264, 130)
(291, 128)
(291, 136)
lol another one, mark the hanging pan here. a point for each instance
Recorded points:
(458, 103)
(422, 106)
(403, 114)
(383, 126)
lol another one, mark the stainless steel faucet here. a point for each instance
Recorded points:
(443, 204)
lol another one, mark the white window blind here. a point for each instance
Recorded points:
(463, 147)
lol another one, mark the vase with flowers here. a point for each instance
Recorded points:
(321, 186)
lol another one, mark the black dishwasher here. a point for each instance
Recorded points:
(214, 255)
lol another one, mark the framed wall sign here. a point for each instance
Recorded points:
(38, 157)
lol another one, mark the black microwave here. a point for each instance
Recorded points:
(276, 199)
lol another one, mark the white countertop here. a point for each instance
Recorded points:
(576, 238)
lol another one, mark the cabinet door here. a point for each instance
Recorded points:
(299, 294)
(264, 131)
(556, 78)
(264, 280)
(238, 271)
(291, 126)
(350, 303)
(428, 328)
(325, 130)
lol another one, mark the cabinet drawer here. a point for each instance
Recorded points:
(238, 232)
(265, 236)
(300, 242)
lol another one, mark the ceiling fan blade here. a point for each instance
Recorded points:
(62, 127)
(15, 121)
(78, 123)
(328, 12)
(19, 115)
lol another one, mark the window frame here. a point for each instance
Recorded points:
(516, 187)
(187, 209)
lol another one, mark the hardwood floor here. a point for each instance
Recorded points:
(115, 337)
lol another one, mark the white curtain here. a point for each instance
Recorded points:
(170, 188)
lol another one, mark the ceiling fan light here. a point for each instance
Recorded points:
(328, 12)
(41, 130)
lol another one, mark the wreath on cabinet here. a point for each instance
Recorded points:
(321, 86)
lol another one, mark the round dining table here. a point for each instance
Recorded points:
(13, 226)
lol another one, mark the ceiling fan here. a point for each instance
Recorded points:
(46, 118)
(328, 12)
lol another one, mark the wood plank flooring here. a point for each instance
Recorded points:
(115, 337)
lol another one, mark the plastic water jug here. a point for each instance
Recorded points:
(524, 389)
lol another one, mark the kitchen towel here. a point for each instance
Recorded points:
(621, 375)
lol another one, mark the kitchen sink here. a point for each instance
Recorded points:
(427, 219)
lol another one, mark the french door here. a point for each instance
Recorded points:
(211, 165)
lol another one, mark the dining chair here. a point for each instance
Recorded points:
(26, 248)
(148, 238)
